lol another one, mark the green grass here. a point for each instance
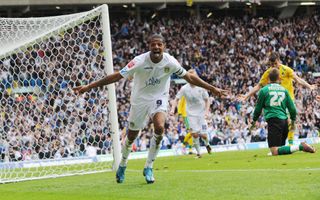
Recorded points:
(227, 175)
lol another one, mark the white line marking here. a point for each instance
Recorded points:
(233, 170)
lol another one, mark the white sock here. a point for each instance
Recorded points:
(153, 150)
(294, 148)
(196, 144)
(126, 149)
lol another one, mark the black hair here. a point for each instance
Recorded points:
(156, 36)
(274, 56)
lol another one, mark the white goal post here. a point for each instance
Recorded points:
(45, 129)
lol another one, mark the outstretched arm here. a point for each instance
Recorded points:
(303, 82)
(245, 97)
(104, 81)
(195, 80)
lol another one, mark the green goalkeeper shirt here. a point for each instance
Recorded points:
(275, 100)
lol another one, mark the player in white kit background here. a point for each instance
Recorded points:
(197, 109)
(151, 74)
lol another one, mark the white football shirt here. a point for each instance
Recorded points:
(151, 81)
(195, 97)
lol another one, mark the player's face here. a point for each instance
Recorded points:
(156, 47)
(275, 64)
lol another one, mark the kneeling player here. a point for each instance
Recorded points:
(275, 99)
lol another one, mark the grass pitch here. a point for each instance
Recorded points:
(226, 175)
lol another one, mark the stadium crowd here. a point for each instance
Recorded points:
(230, 52)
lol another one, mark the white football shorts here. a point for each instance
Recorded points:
(198, 124)
(140, 114)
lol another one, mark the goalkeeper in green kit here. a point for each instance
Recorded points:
(275, 100)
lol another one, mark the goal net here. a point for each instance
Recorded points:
(45, 129)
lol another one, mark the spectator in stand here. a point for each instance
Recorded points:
(229, 50)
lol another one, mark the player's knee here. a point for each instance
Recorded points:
(195, 135)
(159, 129)
(274, 151)
(132, 135)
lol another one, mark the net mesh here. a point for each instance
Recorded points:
(46, 130)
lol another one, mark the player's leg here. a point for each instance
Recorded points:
(289, 149)
(158, 121)
(277, 130)
(204, 135)
(187, 137)
(306, 148)
(125, 150)
(196, 143)
(303, 145)
(187, 141)
(290, 135)
(205, 139)
(195, 127)
(137, 120)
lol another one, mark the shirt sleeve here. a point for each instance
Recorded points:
(264, 79)
(205, 94)
(130, 68)
(178, 69)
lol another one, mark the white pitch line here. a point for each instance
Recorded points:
(234, 170)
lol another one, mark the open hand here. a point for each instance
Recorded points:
(241, 98)
(313, 87)
(221, 93)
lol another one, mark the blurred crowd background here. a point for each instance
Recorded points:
(42, 118)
